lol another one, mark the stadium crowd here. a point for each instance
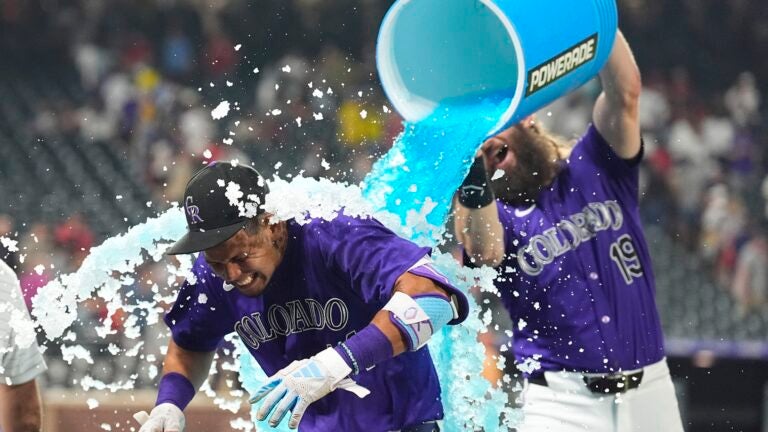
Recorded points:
(299, 77)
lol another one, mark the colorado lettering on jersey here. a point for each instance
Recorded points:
(562, 64)
(568, 234)
(293, 317)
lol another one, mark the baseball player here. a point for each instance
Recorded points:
(562, 226)
(337, 312)
(20, 360)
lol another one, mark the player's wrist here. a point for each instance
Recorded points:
(475, 192)
(167, 409)
(367, 348)
(342, 349)
(335, 365)
(175, 389)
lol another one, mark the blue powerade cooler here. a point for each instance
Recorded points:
(431, 52)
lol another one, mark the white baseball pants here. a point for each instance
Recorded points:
(567, 405)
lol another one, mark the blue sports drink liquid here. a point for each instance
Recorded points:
(428, 162)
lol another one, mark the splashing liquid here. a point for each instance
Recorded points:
(416, 180)
(429, 160)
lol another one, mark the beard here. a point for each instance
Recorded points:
(538, 163)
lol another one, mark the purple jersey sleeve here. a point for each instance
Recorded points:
(593, 156)
(198, 319)
(367, 256)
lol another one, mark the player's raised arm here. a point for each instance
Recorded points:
(476, 222)
(616, 110)
(183, 373)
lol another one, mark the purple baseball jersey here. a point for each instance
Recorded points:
(577, 278)
(335, 276)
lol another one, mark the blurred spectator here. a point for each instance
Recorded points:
(178, 53)
(92, 62)
(74, 236)
(743, 101)
(220, 57)
(97, 123)
(654, 106)
(116, 91)
(195, 123)
(136, 50)
(723, 224)
(750, 280)
(358, 123)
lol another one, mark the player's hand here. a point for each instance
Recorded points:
(301, 383)
(165, 417)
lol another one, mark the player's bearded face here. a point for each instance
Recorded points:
(249, 259)
(528, 158)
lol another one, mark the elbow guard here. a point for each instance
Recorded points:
(418, 318)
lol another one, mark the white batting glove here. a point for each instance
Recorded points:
(302, 383)
(165, 417)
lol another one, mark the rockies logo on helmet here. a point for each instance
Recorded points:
(193, 211)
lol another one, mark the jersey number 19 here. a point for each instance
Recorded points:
(624, 254)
